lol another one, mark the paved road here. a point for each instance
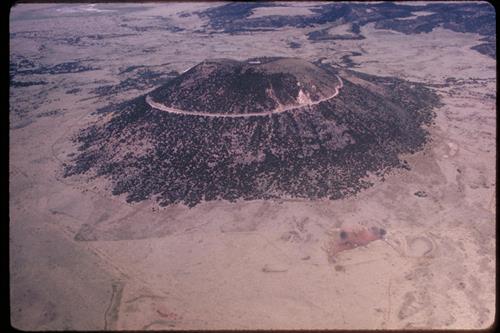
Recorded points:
(279, 109)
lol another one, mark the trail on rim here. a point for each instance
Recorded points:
(279, 109)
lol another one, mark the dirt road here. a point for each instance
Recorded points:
(279, 109)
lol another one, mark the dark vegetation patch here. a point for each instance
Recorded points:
(23, 122)
(421, 194)
(73, 91)
(21, 65)
(49, 113)
(26, 83)
(28, 67)
(347, 61)
(220, 17)
(142, 79)
(488, 49)
(89, 39)
(130, 69)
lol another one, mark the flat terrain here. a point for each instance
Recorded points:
(82, 259)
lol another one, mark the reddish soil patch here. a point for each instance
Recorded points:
(348, 239)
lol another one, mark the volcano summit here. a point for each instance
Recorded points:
(256, 129)
(260, 86)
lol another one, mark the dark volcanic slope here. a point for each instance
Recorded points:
(322, 151)
(255, 85)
